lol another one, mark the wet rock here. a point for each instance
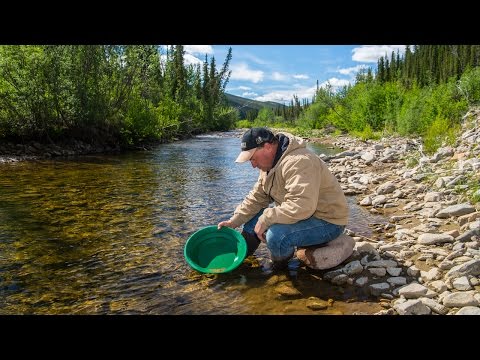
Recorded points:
(315, 303)
(378, 289)
(287, 290)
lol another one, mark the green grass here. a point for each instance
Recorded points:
(474, 187)
(367, 133)
(412, 160)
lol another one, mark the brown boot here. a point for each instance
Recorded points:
(252, 242)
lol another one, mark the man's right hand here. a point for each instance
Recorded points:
(227, 223)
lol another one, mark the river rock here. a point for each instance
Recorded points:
(327, 256)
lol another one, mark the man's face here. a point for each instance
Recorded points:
(263, 157)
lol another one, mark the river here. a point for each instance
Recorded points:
(104, 234)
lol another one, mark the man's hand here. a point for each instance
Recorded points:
(227, 223)
(260, 230)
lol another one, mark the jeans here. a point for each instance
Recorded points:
(282, 239)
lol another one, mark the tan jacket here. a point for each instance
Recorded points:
(301, 185)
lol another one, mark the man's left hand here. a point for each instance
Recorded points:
(260, 230)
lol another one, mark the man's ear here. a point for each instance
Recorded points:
(269, 146)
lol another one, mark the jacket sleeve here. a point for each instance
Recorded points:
(255, 201)
(302, 183)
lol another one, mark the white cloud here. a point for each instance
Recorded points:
(278, 76)
(189, 59)
(335, 83)
(302, 92)
(198, 49)
(236, 88)
(352, 70)
(286, 96)
(282, 97)
(371, 53)
(249, 94)
(243, 72)
(253, 58)
(301, 76)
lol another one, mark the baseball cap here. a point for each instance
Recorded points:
(251, 140)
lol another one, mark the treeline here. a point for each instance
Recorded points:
(284, 114)
(425, 92)
(112, 94)
(293, 110)
(428, 64)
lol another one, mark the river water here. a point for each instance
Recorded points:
(105, 235)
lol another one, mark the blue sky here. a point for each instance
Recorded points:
(277, 72)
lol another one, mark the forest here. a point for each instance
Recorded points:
(135, 94)
(423, 93)
(122, 95)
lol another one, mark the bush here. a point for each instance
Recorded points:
(140, 122)
(225, 118)
(469, 86)
(243, 124)
(438, 134)
(367, 133)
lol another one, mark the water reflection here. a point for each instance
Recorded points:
(105, 234)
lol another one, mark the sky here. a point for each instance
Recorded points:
(277, 72)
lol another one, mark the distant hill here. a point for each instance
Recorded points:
(248, 106)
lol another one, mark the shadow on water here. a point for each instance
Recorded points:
(105, 235)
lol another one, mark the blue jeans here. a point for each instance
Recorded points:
(282, 239)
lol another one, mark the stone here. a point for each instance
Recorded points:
(327, 256)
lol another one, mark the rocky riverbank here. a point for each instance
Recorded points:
(426, 259)
(33, 150)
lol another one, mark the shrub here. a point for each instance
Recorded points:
(439, 133)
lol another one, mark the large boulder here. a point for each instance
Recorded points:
(327, 256)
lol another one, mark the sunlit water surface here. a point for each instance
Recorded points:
(105, 235)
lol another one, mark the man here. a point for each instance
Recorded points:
(310, 207)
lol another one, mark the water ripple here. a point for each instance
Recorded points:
(105, 234)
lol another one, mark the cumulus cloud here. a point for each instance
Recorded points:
(276, 96)
(301, 76)
(198, 49)
(371, 53)
(286, 96)
(302, 92)
(335, 83)
(189, 59)
(243, 72)
(278, 76)
(352, 70)
(249, 94)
